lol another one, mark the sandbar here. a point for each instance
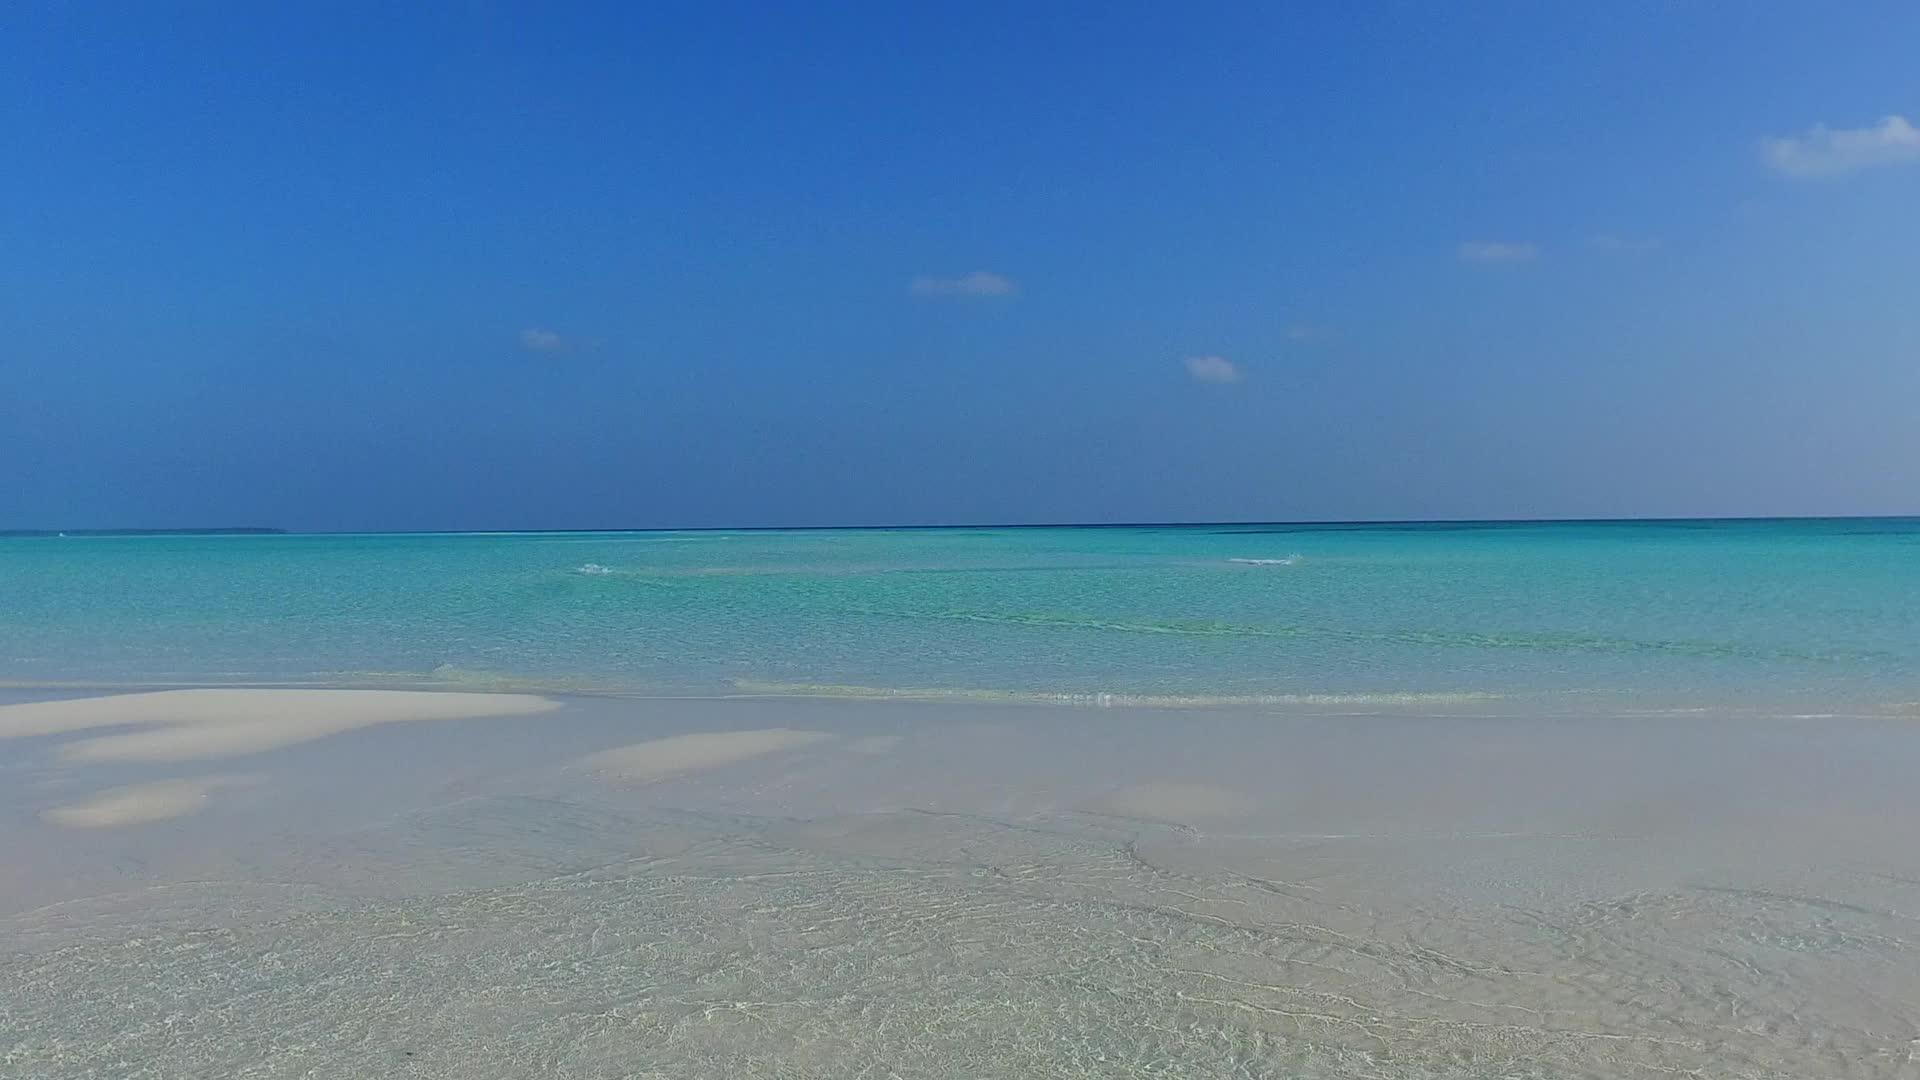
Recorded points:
(659, 758)
(188, 725)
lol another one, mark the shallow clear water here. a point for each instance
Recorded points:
(1775, 611)
(816, 890)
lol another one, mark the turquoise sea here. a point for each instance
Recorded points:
(1799, 612)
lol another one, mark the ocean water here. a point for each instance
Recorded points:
(1804, 612)
(1575, 801)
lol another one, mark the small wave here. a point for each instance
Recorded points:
(1103, 699)
(1288, 561)
(1548, 641)
(648, 578)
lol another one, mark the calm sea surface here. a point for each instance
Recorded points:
(1797, 612)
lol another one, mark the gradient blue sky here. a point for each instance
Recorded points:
(346, 266)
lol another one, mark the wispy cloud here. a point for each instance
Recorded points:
(1212, 369)
(1308, 332)
(1623, 244)
(1497, 252)
(537, 340)
(1823, 152)
(977, 283)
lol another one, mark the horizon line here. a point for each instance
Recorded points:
(259, 530)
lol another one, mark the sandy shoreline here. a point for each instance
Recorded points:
(567, 887)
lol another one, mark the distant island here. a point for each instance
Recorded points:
(239, 530)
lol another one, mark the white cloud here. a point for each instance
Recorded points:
(1824, 151)
(542, 341)
(1212, 369)
(1308, 332)
(1497, 252)
(1626, 244)
(977, 283)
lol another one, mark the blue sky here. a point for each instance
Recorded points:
(513, 266)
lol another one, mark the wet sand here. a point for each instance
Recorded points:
(602, 888)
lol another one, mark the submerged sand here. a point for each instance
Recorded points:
(137, 804)
(777, 889)
(659, 758)
(1177, 802)
(189, 725)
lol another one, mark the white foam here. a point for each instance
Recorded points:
(1288, 561)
